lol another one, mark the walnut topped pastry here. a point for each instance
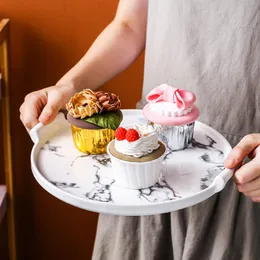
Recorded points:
(83, 104)
(94, 116)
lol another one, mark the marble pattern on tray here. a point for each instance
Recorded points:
(91, 177)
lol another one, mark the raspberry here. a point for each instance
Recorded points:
(132, 135)
(120, 133)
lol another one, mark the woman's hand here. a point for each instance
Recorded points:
(43, 105)
(248, 175)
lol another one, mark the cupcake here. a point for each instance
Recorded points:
(173, 113)
(137, 156)
(94, 116)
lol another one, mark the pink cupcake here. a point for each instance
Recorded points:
(173, 113)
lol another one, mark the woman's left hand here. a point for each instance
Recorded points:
(248, 175)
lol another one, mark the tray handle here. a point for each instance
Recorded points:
(222, 179)
(41, 132)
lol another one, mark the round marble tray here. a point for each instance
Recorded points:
(86, 181)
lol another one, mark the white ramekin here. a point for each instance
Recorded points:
(136, 175)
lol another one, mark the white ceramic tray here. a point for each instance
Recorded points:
(189, 176)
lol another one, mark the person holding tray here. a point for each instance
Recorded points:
(212, 48)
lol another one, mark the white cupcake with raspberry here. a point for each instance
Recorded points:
(137, 156)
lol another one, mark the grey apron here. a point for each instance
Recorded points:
(213, 49)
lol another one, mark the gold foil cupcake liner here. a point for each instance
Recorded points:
(92, 141)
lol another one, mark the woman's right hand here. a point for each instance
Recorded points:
(43, 105)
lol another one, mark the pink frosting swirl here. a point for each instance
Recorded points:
(182, 98)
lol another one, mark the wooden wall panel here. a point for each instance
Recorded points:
(3, 226)
(4, 240)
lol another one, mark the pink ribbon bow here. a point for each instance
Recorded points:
(182, 98)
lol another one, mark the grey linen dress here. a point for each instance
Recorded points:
(213, 49)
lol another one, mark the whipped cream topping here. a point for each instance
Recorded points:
(169, 109)
(146, 144)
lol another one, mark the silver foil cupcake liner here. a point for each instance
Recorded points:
(177, 137)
